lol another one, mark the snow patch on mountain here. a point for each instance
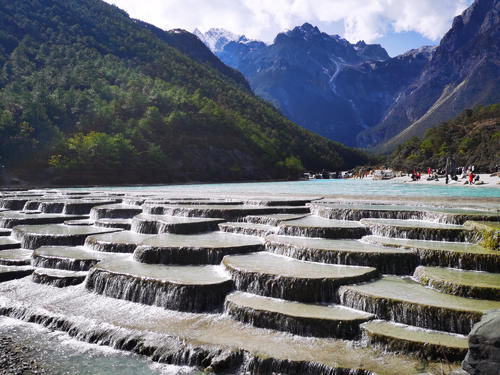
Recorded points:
(217, 38)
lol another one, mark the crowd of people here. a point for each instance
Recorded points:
(469, 174)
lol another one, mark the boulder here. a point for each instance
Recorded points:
(483, 357)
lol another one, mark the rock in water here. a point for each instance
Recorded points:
(483, 357)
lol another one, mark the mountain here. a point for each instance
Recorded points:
(472, 138)
(464, 72)
(298, 74)
(89, 95)
(356, 94)
(217, 38)
(190, 45)
(373, 87)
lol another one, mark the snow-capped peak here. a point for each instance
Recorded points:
(217, 38)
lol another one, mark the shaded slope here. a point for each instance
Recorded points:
(190, 45)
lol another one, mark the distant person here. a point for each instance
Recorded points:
(471, 178)
(429, 171)
(446, 180)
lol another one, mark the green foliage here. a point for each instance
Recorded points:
(96, 149)
(84, 87)
(490, 239)
(473, 138)
(292, 162)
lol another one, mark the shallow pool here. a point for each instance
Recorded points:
(324, 187)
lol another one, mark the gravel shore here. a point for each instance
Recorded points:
(17, 359)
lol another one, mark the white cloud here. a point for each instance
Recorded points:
(263, 19)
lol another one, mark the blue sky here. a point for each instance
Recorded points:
(399, 25)
(398, 43)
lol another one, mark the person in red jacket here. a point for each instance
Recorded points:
(471, 178)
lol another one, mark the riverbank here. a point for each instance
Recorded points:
(18, 358)
(29, 349)
(488, 180)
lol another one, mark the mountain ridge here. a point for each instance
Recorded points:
(367, 99)
(297, 73)
(190, 45)
(464, 72)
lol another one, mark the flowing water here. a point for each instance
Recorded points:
(322, 187)
(59, 354)
(229, 279)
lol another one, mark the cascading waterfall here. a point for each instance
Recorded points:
(96, 244)
(156, 224)
(68, 264)
(133, 201)
(32, 206)
(175, 351)
(431, 317)
(346, 329)
(188, 255)
(156, 275)
(84, 207)
(173, 296)
(258, 230)
(14, 204)
(145, 225)
(422, 233)
(262, 366)
(16, 272)
(114, 213)
(324, 232)
(293, 288)
(387, 263)
(51, 207)
(159, 348)
(51, 277)
(466, 261)
(35, 240)
(264, 220)
(357, 214)
(424, 351)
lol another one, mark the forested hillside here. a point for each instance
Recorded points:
(473, 138)
(88, 95)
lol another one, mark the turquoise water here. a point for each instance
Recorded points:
(326, 187)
